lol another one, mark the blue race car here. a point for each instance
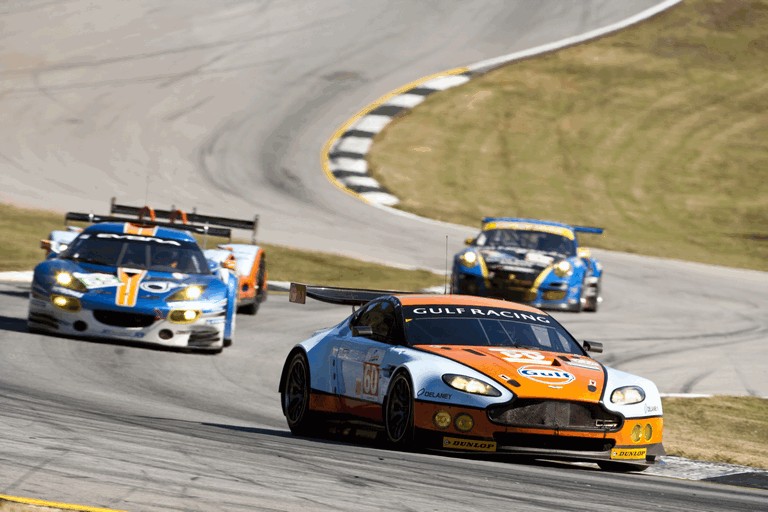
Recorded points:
(530, 261)
(139, 280)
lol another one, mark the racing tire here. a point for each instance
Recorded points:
(621, 467)
(249, 309)
(294, 397)
(592, 302)
(399, 412)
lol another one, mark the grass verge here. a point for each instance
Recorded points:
(718, 429)
(656, 133)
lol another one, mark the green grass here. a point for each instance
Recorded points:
(657, 133)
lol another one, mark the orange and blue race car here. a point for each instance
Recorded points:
(141, 278)
(466, 374)
(531, 261)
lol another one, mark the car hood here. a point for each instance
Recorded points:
(532, 373)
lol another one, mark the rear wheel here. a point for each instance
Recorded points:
(398, 412)
(295, 396)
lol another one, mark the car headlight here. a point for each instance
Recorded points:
(67, 280)
(193, 292)
(628, 395)
(468, 259)
(563, 268)
(470, 385)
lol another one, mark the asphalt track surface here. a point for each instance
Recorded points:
(225, 106)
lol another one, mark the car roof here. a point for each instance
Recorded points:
(462, 300)
(128, 228)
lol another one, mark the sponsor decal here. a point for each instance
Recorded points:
(628, 453)
(138, 238)
(97, 280)
(370, 379)
(545, 375)
(478, 312)
(651, 409)
(215, 321)
(522, 356)
(128, 289)
(454, 443)
(158, 286)
(423, 393)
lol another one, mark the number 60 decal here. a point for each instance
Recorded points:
(370, 379)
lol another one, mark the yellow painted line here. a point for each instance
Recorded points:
(53, 504)
(325, 159)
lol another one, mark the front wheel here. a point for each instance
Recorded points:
(398, 412)
(295, 396)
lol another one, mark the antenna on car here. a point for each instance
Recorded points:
(445, 289)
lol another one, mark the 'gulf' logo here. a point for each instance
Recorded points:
(546, 375)
(128, 289)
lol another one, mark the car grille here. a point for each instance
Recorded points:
(123, 318)
(44, 319)
(203, 338)
(555, 414)
(547, 442)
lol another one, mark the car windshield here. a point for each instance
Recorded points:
(484, 326)
(527, 239)
(137, 251)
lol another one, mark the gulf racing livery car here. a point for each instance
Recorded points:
(530, 261)
(467, 373)
(140, 280)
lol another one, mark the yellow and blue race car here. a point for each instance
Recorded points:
(531, 261)
(141, 279)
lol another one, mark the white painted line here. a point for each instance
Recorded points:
(406, 100)
(380, 198)
(24, 276)
(684, 395)
(358, 165)
(360, 181)
(372, 123)
(354, 144)
(445, 82)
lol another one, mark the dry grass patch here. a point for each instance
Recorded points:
(656, 133)
(718, 429)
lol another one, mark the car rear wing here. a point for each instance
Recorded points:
(333, 295)
(200, 229)
(188, 218)
(588, 229)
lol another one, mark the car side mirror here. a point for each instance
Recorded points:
(593, 346)
(469, 241)
(366, 331)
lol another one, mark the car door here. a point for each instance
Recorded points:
(360, 359)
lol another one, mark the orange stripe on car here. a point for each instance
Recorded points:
(133, 229)
(128, 289)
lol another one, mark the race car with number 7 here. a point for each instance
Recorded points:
(467, 373)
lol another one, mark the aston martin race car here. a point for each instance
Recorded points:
(467, 374)
(137, 279)
(530, 261)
